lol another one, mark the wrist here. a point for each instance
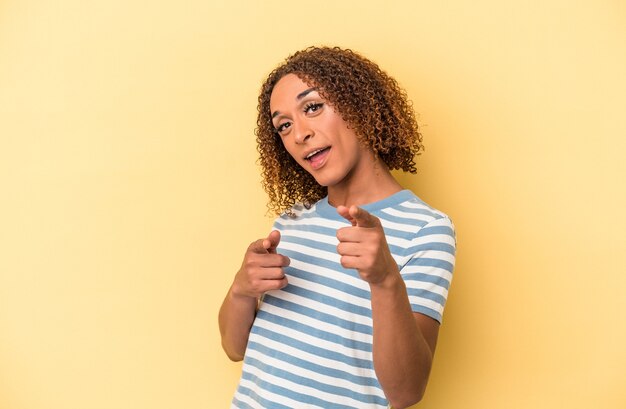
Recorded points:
(391, 282)
(237, 295)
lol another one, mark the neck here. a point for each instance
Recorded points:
(368, 188)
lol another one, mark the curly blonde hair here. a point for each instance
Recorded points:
(369, 101)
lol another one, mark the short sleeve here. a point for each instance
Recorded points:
(428, 272)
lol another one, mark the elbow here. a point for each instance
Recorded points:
(405, 400)
(232, 354)
(405, 403)
(235, 357)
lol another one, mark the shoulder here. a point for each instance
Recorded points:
(316, 216)
(297, 212)
(411, 214)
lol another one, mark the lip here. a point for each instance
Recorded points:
(320, 159)
(310, 151)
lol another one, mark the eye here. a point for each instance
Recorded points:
(283, 127)
(313, 107)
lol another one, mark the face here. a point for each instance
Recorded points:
(315, 135)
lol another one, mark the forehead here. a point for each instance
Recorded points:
(286, 91)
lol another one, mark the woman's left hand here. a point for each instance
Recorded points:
(363, 245)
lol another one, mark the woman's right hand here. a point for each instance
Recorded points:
(261, 269)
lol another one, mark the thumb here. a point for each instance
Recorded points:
(363, 218)
(271, 242)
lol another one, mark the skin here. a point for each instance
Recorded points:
(403, 341)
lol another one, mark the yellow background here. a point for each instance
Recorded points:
(129, 190)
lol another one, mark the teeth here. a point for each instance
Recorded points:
(313, 153)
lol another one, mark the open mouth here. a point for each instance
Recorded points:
(316, 153)
(317, 158)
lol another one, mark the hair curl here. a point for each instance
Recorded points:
(370, 101)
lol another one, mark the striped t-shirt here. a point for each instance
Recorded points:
(311, 343)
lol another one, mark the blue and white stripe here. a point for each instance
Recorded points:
(311, 343)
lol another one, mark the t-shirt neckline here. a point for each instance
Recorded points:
(327, 210)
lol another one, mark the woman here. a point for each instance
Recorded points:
(340, 305)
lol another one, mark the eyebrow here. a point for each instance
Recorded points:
(298, 97)
(305, 93)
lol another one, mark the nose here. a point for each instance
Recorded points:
(302, 132)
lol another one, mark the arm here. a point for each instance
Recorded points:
(261, 271)
(403, 341)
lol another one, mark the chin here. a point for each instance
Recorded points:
(329, 177)
(326, 182)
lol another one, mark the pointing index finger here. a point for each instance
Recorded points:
(271, 242)
(345, 213)
(363, 218)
